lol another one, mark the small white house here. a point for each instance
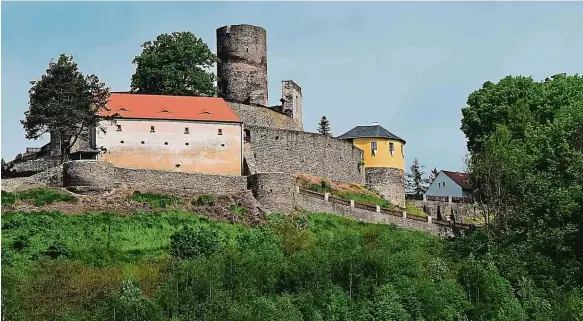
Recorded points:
(454, 184)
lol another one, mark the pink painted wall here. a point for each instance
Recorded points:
(206, 152)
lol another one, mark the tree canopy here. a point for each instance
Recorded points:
(64, 102)
(526, 145)
(415, 183)
(175, 64)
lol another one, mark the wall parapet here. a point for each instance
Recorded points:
(315, 201)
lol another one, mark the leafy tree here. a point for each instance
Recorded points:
(415, 182)
(175, 64)
(324, 126)
(65, 103)
(526, 145)
(432, 175)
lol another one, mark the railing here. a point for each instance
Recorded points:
(384, 210)
(414, 197)
(445, 199)
(437, 198)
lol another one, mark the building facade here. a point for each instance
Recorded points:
(384, 160)
(447, 183)
(174, 133)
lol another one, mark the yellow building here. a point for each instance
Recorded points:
(381, 147)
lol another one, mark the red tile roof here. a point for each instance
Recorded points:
(459, 178)
(170, 107)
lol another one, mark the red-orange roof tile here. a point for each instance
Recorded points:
(459, 178)
(169, 107)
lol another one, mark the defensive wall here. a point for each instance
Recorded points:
(389, 182)
(263, 117)
(298, 152)
(446, 208)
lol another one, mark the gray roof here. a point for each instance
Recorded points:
(373, 131)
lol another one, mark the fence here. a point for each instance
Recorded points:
(383, 210)
(445, 199)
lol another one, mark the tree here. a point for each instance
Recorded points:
(415, 183)
(432, 175)
(526, 158)
(175, 64)
(324, 126)
(64, 103)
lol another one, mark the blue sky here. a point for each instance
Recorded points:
(409, 66)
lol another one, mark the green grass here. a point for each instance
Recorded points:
(37, 197)
(238, 210)
(204, 200)
(154, 200)
(414, 210)
(367, 199)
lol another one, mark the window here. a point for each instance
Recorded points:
(143, 142)
(186, 144)
(151, 129)
(119, 128)
(438, 184)
(402, 151)
(391, 147)
(443, 184)
(121, 142)
(373, 145)
(220, 131)
(165, 143)
(186, 130)
(222, 145)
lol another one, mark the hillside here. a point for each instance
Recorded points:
(169, 264)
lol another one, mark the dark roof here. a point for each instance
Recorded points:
(459, 178)
(373, 131)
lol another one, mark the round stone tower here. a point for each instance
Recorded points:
(242, 67)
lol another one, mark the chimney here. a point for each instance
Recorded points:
(375, 123)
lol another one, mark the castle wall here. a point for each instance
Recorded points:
(263, 117)
(462, 212)
(274, 191)
(157, 180)
(389, 182)
(201, 149)
(296, 152)
(291, 95)
(88, 175)
(242, 67)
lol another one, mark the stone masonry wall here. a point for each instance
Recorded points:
(179, 181)
(263, 117)
(443, 210)
(313, 204)
(389, 182)
(295, 152)
(88, 175)
(274, 191)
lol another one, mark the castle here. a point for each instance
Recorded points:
(237, 134)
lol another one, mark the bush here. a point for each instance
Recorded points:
(57, 249)
(38, 197)
(238, 210)
(153, 199)
(204, 200)
(189, 242)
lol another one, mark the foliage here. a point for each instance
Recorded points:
(415, 183)
(324, 126)
(526, 144)
(295, 267)
(432, 175)
(413, 210)
(38, 197)
(191, 242)
(238, 210)
(65, 103)
(204, 200)
(175, 64)
(155, 200)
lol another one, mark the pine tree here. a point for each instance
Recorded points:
(432, 175)
(415, 183)
(324, 126)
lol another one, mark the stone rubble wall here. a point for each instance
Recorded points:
(443, 210)
(274, 191)
(263, 117)
(296, 152)
(389, 182)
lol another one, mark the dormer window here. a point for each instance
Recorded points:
(205, 113)
(119, 128)
(152, 129)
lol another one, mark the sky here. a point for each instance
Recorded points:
(408, 65)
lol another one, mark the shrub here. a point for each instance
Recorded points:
(204, 200)
(8, 199)
(20, 243)
(190, 242)
(238, 210)
(41, 196)
(57, 249)
(153, 199)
